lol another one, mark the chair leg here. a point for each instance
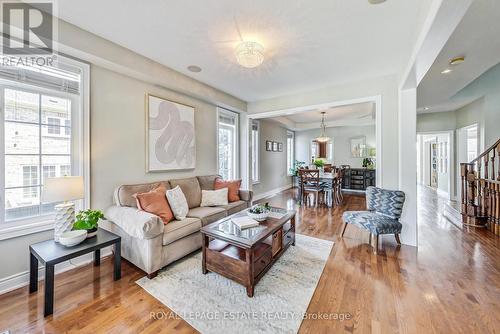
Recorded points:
(375, 247)
(397, 238)
(343, 230)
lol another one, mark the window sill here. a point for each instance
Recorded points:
(18, 230)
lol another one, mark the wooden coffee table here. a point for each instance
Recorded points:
(244, 256)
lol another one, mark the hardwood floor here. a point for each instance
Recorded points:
(452, 285)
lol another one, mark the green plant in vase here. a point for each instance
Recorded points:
(88, 220)
(319, 163)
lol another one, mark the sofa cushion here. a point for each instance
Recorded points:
(191, 189)
(207, 182)
(214, 197)
(124, 195)
(178, 229)
(233, 187)
(207, 214)
(178, 203)
(155, 202)
(234, 207)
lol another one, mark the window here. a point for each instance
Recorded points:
(48, 171)
(290, 156)
(65, 170)
(30, 181)
(53, 126)
(41, 106)
(472, 143)
(228, 144)
(255, 152)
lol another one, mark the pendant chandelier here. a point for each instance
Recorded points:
(323, 137)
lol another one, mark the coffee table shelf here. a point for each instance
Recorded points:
(244, 256)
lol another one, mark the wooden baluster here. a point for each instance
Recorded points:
(497, 220)
(493, 176)
(463, 207)
(498, 154)
(480, 192)
(494, 195)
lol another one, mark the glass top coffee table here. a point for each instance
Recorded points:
(245, 255)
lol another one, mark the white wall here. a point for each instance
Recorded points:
(341, 143)
(120, 79)
(386, 87)
(273, 172)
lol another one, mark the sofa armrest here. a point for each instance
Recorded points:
(246, 195)
(136, 223)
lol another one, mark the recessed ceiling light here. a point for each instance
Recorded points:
(446, 71)
(457, 60)
(375, 2)
(249, 54)
(194, 68)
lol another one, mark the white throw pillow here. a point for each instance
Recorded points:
(178, 203)
(214, 197)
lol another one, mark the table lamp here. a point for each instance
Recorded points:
(63, 189)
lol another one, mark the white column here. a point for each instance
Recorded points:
(407, 119)
(245, 151)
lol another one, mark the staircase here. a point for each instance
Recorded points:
(480, 190)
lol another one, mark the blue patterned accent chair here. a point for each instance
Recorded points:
(384, 210)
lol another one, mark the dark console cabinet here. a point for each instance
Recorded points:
(358, 178)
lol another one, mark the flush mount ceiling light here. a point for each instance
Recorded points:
(194, 68)
(323, 137)
(375, 2)
(457, 61)
(249, 54)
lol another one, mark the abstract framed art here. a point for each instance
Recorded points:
(170, 135)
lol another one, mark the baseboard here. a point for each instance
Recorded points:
(271, 192)
(452, 215)
(23, 278)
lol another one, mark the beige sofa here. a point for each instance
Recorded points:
(146, 241)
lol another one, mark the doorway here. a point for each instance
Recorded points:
(434, 167)
(468, 148)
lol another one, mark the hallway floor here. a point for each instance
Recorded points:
(450, 285)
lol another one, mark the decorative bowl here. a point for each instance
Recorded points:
(72, 238)
(258, 212)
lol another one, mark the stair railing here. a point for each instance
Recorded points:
(480, 190)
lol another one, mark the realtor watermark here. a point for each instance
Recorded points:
(29, 32)
(233, 316)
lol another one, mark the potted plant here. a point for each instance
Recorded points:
(294, 171)
(87, 220)
(259, 212)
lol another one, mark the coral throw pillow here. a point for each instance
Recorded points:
(233, 188)
(155, 202)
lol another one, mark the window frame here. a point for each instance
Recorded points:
(290, 159)
(236, 151)
(257, 151)
(81, 125)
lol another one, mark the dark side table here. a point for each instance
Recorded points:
(51, 253)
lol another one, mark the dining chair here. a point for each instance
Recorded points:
(384, 209)
(310, 184)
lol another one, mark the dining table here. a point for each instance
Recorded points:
(324, 178)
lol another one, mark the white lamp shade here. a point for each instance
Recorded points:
(58, 189)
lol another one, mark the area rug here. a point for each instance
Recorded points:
(214, 304)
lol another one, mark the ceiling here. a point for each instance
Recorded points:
(349, 115)
(476, 38)
(308, 44)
